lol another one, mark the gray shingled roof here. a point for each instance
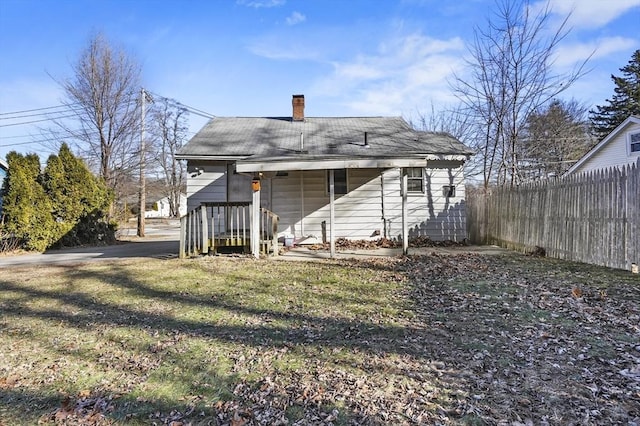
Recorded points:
(279, 137)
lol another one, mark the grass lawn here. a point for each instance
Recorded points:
(460, 339)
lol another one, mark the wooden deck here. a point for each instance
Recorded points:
(216, 227)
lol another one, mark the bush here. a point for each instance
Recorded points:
(63, 206)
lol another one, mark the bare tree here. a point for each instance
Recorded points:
(510, 77)
(454, 121)
(103, 92)
(554, 137)
(169, 129)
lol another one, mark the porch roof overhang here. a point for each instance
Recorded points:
(276, 164)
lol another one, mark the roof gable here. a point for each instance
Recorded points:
(315, 137)
(623, 127)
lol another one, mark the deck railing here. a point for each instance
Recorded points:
(217, 225)
(268, 232)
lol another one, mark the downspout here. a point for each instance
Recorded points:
(302, 234)
(384, 219)
(332, 215)
(405, 219)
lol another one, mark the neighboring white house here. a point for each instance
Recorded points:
(619, 148)
(293, 159)
(161, 209)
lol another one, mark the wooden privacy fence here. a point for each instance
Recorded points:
(592, 218)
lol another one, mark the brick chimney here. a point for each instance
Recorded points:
(298, 107)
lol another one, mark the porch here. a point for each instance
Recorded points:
(232, 226)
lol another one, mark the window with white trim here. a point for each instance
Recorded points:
(339, 181)
(634, 143)
(415, 180)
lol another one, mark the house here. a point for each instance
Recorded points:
(332, 177)
(4, 168)
(160, 208)
(619, 148)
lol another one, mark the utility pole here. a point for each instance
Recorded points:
(142, 189)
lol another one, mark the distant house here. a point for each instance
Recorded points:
(4, 168)
(290, 163)
(160, 208)
(619, 148)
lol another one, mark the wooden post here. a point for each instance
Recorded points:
(274, 233)
(255, 220)
(205, 230)
(183, 235)
(332, 216)
(405, 220)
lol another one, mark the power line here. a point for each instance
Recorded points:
(189, 108)
(45, 114)
(70, 134)
(40, 142)
(197, 111)
(67, 133)
(38, 121)
(38, 109)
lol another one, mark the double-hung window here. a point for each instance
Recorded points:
(415, 180)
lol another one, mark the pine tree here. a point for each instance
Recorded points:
(63, 206)
(554, 137)
(26, 205)
(625, 101)
(79, 200)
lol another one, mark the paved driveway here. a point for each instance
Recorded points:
(161, 241)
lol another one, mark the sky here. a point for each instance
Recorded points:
(248, 57)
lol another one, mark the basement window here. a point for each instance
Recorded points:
(415, 180)
(339, 181)
(449, 191)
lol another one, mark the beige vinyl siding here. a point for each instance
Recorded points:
(210, 185)
(301, 201)
(614, 153)
(430, 214)
(357, 213)
(285, 196)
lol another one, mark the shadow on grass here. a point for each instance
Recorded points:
(334, 332)
(252, 327)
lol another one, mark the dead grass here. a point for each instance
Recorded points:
(463, 339)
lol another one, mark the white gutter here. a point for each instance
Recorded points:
(274, 166)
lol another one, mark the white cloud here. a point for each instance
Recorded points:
(589, 13)
(296, 18)
(405, 73)
(261, 3)
(574, 54)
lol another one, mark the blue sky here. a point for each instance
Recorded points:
(247, 57)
